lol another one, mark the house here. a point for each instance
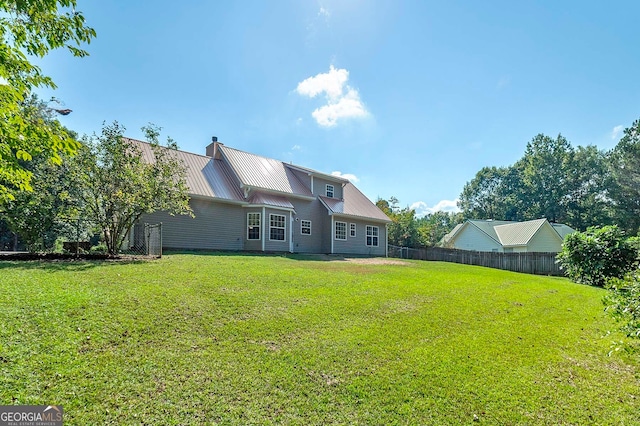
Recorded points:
(505, 236)
(246, 202)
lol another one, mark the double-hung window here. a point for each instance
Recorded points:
(329, 191)
(352, 229)
(253, 226)
(341, 231)
(277, 227)
(305, 227)
(372, 236)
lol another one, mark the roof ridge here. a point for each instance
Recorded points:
(166, 147)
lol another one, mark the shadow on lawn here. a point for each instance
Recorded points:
(66, 264)
(287, 255)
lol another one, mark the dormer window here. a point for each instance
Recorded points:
(329, 191)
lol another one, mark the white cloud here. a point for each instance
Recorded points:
(423, 209)
(324, 12)
(331, 83)
(343, 101)
(616, 131)
(351, 177)
(295, 148)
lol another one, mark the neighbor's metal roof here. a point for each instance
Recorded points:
(206, 177)
(488, 226)
(355, 203)
(519, 233)
(267, 173)
(562, 229)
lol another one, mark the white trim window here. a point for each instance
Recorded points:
(277, 227)
(305, 227)
(372, 236)
(253, 226)
(341, 231)
(352, 230)
(329, 190)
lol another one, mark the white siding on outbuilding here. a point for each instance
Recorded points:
(471, 238)
(545, 240)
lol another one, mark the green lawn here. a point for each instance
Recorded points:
(240, 339)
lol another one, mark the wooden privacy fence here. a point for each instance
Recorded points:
(529, 263)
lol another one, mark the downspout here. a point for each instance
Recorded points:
(290, 232)
(386, 240)
(312, 184)
(331, 233)
(264, 228)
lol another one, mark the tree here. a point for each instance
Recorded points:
(119, 186)
(598, 254)
(32, 27)
(551, 180)
(622, 302)
(494, 193)
(403, 229)
(624, 185)
(436, 225)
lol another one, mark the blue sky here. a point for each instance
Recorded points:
(409, 99)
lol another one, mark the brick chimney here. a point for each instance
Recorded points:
(212, 148)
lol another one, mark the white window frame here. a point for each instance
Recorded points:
(283, 227)
(259, 226)
(335, 231)
(370, 234)
(302, 227)
(352, 230)
(332, 190)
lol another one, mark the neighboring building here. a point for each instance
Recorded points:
(243, 201)
(504, 236)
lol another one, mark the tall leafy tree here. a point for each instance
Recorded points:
(624, 188)
(545, 176)
(32, 27)
(40, 216)
(119, 186)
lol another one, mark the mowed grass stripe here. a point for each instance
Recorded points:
(238, 339)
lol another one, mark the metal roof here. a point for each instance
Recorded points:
(225, 178)
(488, 226)
(206, 177)
(270, 200)
(355, 203)
(519, 233)
(562, 229)
(266, 173)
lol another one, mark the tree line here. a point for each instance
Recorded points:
(578, 186)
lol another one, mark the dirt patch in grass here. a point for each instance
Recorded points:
(376, 261)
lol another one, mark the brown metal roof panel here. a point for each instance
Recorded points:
(205, 177)
(270, 200)
(355, 203)
(261, 172)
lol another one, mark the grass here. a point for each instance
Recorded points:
(238, 339)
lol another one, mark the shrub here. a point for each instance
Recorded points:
(593, 256)
(622, 302)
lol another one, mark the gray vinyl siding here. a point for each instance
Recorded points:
(216, 226)
(253, 245)
(315, 212)
(303, 177)
(275, 245)
(320, 187)
(358, 244)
